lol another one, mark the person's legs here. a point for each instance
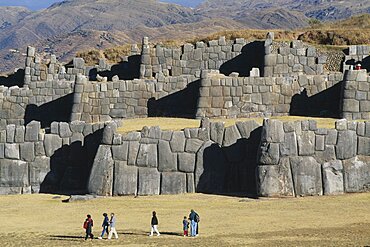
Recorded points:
(193, 228)
(156, 230)
(115, 233)
(197, 229)
(87, 235)
(151, 231)
(110, 233)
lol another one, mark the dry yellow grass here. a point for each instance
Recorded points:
(181, 123)
(40, 220)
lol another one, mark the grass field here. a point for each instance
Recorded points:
(43, 220)
(181, 123)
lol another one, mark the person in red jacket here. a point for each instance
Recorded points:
(88, 225)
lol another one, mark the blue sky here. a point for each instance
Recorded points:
(39, 4)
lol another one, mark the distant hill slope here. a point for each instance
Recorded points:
(74, 25)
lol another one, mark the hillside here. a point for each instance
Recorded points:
(74, 25)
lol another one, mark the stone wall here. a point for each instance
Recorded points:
(356, 95)
(299, 159)
(209, 159)
(357, 53)
(33, 161)
(103, 101)
(191, 59)
(233, 96)
(296, 59)
(35, 101)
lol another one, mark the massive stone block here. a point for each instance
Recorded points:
(149, 181)
(273, 131)
(120, 152)
(306, 176)
(27, 151)
(217, 132)
(147, 156)
(32, 131)
(125, 179)
(363, 146)
(269, 154)
(190, 183)
(52, 143)
(12, 151)
(193, 145)
(346, 147)
(275, 180)
(332, 173)
(246, 128)
(186, 162)
(289, 146)
(357, 174)
(101, 176)
(167, 161)
(13, 173)
(133, 150)
(38, 169)
(177, 142)
(173, 183)
(306, 143)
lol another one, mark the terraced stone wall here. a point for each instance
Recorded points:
(232, 96)
(299, 159)
(210, 159)
(33, 161)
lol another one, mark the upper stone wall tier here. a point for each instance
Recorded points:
(357, 54)
(232, 96)
(356, 95)
(296, 59)
(103, 101)
(191, 59)
(300, 159)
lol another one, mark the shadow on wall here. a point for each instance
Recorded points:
(252, 56)
(231, 170)
(16, 79)
(323, 104)
(366, 64)
(58, 110)
(125, 70)
(70, 166)
(180, 104)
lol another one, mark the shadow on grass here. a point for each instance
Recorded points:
(65, 237)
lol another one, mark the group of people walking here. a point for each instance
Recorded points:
(109, 225)
(89, 223)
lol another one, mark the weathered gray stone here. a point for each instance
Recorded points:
(246, 128)
(12, 151)
(320, 143)
(186, 162)
(173, 183)
(217, 132)
(363, 146)
(231, 136)
(167, 161)
(133, 150)
(199, 167)
(125, 179)
(346, 147)
(306, 143)
(177, 142)
(357, 174)
(306, 176)
(269, 154)
(193, 145)
(52, 143)
(275, 180)
(38, 170)
(149, 181)
(289, 146)
(101, 176)
(109, 131)
(331, 138)
(332, 173)
(327, 155)
(10, 132)
(273, 131)
(77, 126)
(2, 150)
(32, 131)
(19, 134)
(64, 130)
(27, 151)
(147, 156)
(13, 173)
(120, 152)
(190, 183)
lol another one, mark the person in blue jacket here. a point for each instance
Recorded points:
(105, 225)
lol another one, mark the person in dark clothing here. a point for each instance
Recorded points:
(193, 223)
(105, 225)
(88, 224)
(154, 224)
